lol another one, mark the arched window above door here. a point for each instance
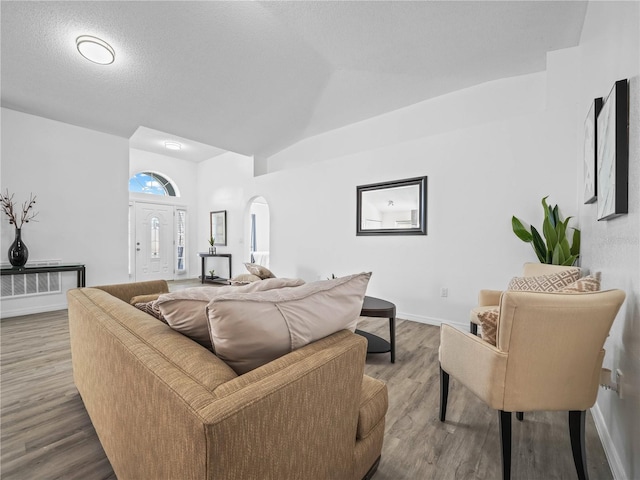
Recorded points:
(153, 184)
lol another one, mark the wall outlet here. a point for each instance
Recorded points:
(444, 292)
(619, 382)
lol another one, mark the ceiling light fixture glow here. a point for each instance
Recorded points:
(172, 145)
(95, 50)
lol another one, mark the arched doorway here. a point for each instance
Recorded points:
(259, 231)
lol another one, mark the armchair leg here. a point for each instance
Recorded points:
(505, 443)
(444, 393)
(473, 328)
(576, 432)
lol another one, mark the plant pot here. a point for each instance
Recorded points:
(18, 251)
(212, 250)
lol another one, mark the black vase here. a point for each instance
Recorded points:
(18, 252)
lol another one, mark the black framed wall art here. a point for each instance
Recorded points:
(590, 152)
(613, 153)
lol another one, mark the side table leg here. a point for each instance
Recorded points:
(202, 270)
(392, 338)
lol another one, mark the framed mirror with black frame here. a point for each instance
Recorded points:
(218, 227)
(397, 207)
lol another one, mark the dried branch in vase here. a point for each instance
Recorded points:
(26, 215)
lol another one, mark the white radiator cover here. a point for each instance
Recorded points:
(31, 284)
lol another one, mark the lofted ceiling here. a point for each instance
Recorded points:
(257, 77)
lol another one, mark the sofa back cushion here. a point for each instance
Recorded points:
(185, 310)
(251, 329)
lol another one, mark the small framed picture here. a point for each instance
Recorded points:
(590, 152)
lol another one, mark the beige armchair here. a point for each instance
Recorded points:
(548, 356)
(489, 299)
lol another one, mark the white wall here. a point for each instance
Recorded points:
(222, 184)
(184, 175)
(609, 51)
(506, 151)
(80, 178)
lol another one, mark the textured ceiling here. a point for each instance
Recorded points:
(256, 77)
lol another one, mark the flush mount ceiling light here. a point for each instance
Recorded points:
(96, 50)
(172, 145)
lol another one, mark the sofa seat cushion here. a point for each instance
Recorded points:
(373, 406)
(251, 329)
(186, 310)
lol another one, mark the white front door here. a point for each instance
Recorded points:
(154, 242)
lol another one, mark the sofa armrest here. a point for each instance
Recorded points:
(488, 298)
(126, 291)
(374, 403)
(477, 364)
(311, 402)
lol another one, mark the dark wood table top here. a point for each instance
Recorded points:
(376, 307)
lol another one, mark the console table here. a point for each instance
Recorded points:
(376, 307)
(70, 267)
(203, 276)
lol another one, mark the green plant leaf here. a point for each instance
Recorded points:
(538, 245)
(556, 215)
(569, 261)
(575, 244)
(558, 256)
(550, 234)
(548, 212)
(521, 232)
(560, 232)
(566, 249)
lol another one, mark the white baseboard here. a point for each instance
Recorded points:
(607, 443)
(17, 312)
(432, 320)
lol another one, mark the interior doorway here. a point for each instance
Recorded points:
(259, 232)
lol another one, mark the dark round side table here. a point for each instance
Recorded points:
(376, 307)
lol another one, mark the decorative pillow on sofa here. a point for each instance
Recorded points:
(545, 283)
(259, 270)
(244, 279)
(489, 323)
(590, 283)
(250, 330)
(151, 308)
(185, 310)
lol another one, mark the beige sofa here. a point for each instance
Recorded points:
(164, 407)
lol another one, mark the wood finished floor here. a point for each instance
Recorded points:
(46, 432)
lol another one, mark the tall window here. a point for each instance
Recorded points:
(181, 217)
(155, 237)
(151, 183)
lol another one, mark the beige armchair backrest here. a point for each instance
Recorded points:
(537, 269)
(554, 344)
